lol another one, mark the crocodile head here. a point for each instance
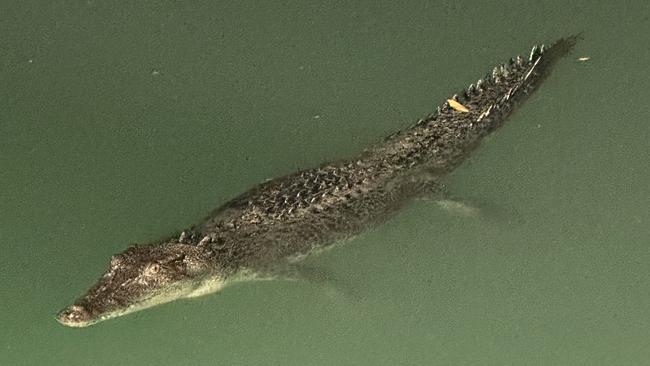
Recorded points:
(144, 276)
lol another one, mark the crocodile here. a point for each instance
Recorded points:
(280, 221)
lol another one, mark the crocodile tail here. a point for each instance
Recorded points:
(507, 91)
(443, 139)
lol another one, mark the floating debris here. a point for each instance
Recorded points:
(457, 106)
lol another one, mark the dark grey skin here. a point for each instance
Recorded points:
(285, 219)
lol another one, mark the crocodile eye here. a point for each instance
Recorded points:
(152, 268)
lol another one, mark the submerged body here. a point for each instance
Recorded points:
(287, 218)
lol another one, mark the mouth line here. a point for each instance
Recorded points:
(63, 318)
(74, 323)
(82, 313)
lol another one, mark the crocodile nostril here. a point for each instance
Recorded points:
(73, 314)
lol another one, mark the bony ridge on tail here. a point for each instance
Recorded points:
(287, 218)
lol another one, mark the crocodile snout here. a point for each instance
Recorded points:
(74, 316)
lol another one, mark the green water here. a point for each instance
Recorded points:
(122, 123)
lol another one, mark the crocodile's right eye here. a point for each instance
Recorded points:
(152, 269)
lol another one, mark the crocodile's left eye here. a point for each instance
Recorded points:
(152, 269)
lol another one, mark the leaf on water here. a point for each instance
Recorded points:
(457, 106)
